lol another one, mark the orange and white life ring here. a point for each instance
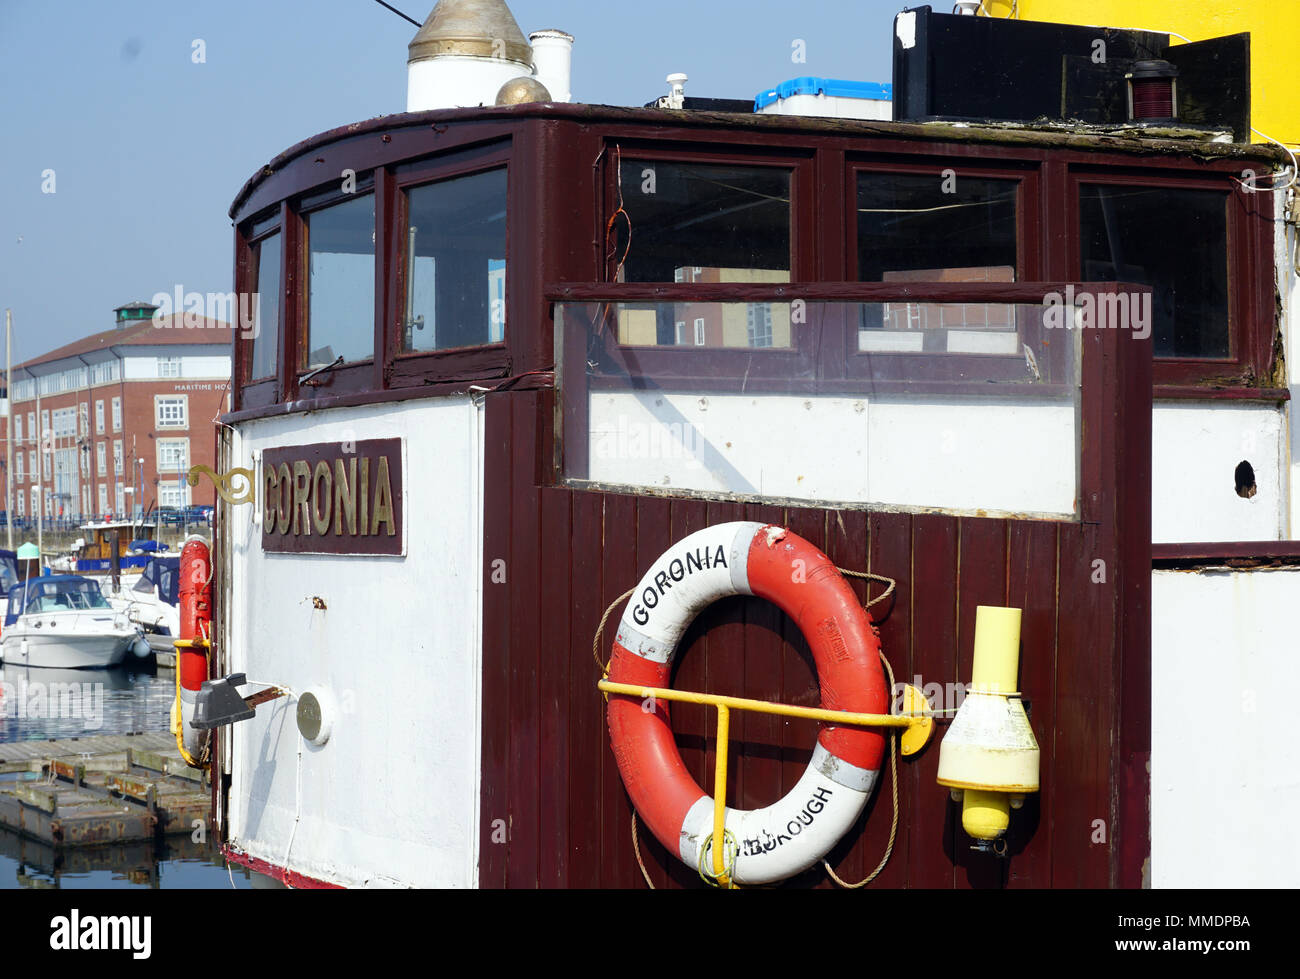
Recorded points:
(194, 594)
(791, 835)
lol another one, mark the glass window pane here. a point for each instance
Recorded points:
(702, 223)
(928, 228)
(1175, 241)
(266, 322)
(456, 263)
(910, 427)
(341, 318)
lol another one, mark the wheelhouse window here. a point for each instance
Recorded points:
(700, 223)
(937, 227)
(455, 263)
(266, 261)
(341, 291)
(1174, 240)
(703, 223)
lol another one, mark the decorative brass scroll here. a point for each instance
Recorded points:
(223, 483)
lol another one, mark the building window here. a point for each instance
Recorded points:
(31, 427)
(36, 501)
(21, 500)
(45, 424)
(101, 468)
(18, 428)
(341, 282)
(31, 465)
(169, 367)
(85, 460)
(117, 414)
(103, 499)
(172, 495)
(760, 325)
(456, 235)
(173, 455)
(18, 463)
(83, 415)
(700, 336)
(117, 457)
(171, 411)
(121, 499)
(99, 417)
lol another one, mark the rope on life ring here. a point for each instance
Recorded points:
(769, 562)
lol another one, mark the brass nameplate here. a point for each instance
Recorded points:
(334, 498)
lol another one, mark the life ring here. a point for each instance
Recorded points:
(791, 835)
(194, 595)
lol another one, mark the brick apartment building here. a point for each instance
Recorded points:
(110, 424)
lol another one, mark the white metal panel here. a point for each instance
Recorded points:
(1196, 448)
(1225, 763)
(1012, 457)
(394, 793)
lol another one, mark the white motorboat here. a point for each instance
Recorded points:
(64, 621)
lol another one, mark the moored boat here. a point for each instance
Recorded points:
(64, 622)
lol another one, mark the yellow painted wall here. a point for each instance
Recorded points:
(1274, 27)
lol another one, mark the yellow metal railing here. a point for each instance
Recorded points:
(914, 720)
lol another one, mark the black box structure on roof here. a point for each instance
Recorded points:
(983, 69)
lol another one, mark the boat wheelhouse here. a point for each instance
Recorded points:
(569, 336)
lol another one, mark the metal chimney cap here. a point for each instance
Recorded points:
(471, 28)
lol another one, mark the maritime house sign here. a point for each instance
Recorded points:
(334, 498)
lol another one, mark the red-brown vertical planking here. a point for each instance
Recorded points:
(1031, 586)
(889, 538)
(934, 650)
(982, 580)
(846, 545)
(1086, 644)
(618, 862)
(760, 734)
(555, 642)
(653, 538)
(524, 567)
(588, 733)
(495, 812)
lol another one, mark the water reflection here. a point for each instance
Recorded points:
(174, 862)
(37, 703)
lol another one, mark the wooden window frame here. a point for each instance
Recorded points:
(418, 368)
(803, 188)
(1247, 371)
(258, 392)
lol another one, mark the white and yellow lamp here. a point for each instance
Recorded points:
(989, 757)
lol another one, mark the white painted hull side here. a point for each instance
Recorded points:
(1225, 764)
(392, 798)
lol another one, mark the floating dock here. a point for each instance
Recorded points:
(102, 789)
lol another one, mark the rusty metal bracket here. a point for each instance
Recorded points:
(223, 482)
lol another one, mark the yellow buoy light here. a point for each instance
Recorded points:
(989, 757)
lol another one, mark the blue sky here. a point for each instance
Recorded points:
(148, 148)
